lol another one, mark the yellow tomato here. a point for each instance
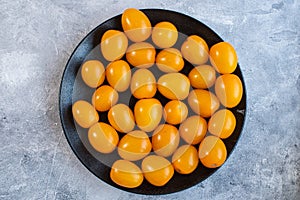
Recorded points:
(104, 98)
(164, 34)
(126, 174)
(92, 73)
(135, 145)
(141, 55)
(229, 90)
(193, 129)
(195, 50)
(165, 140)
(175, 112)
(222, 123)
(157, 170)
(169, 60)
(223, 57)
(212, 152)
(202, 77)
(84, 114)
(203, 102)
(118, 75)
(136, 25)
(148, 113)
(113, 45)
(143, 84)
(174, 86)
(185, 159)
(121, 118)
(103, 137)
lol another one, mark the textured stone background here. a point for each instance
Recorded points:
(36, 40)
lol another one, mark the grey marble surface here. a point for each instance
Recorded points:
(36, 40)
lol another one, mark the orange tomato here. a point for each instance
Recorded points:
(169, 60)
(195, 50)
(203, 102)
(143, 84)
(164, 34)
(141, 55)
(113, 45)
(212, 152)
(148, 113)
(175, 112)
(223, 57)
(135, 145)
(165, 140)
(84, 114)
(103, 137)
(92, 73)
(121, 118)
(104, 98)
(222, 123)
(202, 76)
(174, 86)
(157, 170)
(126, 174)
(136, 25)
(185, 159)
(118, 75)
(229, 90)
(193, 129)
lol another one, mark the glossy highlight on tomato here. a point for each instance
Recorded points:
(92, 73)
(229, 90)
(113, 45)
(135, 145)
(141, 55)
(121, 118)
(143, 84)
(148, 113)
(202, 77)
(103, 137)
(222, 123)
(185, 159)
(175, 112)
(118, 75)
(165, 140)
(136, 25)
(169, 60)
(157, 170)
(104, 98)
(193, 129)
(126, 174)
(212, 152)
(164, 34)
(174, 86)
(84, 113)
(195, 50)
(223, 57)
(203, 102)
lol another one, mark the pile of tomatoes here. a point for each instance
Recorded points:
(194, 115)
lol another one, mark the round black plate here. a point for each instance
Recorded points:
(185, 25)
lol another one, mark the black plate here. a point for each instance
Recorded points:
(185, 25)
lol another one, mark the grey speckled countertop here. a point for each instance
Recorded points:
(36, 40)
